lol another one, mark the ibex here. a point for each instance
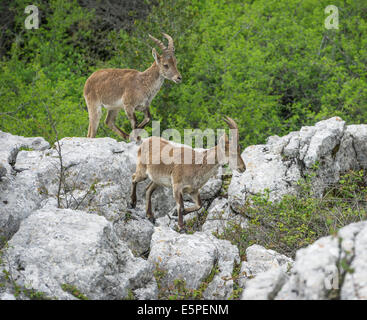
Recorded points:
(128, 89)
(164, 163)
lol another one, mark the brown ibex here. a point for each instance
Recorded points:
(166, 165)
(128, 89)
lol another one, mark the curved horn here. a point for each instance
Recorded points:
(232, 125)
(170, 42)
(158, 42)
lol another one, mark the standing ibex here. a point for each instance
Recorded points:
(166, 165)
(128, 89)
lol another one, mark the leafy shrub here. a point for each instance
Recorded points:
(270, 64)
(298, 220)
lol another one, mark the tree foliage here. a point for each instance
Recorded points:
(270, 64)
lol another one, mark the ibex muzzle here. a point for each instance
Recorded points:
(129, 89)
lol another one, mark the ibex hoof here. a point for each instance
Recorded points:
(152, 220)
(182, 230)
(131, 205)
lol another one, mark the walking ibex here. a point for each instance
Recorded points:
(128, 89)
(167, 164)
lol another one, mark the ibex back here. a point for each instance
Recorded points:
(128, 89)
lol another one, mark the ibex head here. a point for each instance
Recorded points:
(167, 60)
(231, 147)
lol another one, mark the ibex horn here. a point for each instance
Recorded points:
(232, 125)
(170, 42)
(158, 42)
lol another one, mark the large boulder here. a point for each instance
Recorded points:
(333, 267)
(59, 247)
(329, 148)
(136, 232)
(254, 273)
(192, 258)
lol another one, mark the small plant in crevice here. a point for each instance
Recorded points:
(178, 290)
(73, 290)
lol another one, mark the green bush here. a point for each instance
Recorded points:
(298, 220)
(270, 64)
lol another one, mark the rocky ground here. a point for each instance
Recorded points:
(67, 232)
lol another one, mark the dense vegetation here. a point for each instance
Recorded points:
(270, 64)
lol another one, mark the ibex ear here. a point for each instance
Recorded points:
(155, 56)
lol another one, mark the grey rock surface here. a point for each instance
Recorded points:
(11, 145)
(259, 260)
(333, 267)
(263, 272)
(19, 192)
(265, 286)
(97, 243)
(192, 258)
(53, 248)
(136, 232)
(221, 216)
(330, 145)
(7, 296)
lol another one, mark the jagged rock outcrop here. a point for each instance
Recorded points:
(282, 161)
(333, 267)
(60, 247)
(108, 251)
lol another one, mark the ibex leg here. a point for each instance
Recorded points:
(147, 118)
(95, 114)
(179, 207)
(131, 116)
(110, 122)
(138, 176)
(197, 206)
(148, 198)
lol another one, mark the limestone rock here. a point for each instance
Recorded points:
(56, 247)
(330, 148)
(192, 258)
